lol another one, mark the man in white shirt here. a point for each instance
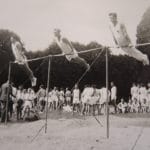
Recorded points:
(122, 39)
(86, 99)
(19, 97)
(41, 98)
(21, 59)
(103, 98)
(143, 93)
(134, 91)
(113, 95)
(68, 96)
(148, 96)
(76, 98)
(68, 50)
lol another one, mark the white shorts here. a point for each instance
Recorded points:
(93, 100)
(103, 101)
(62, 98)
(76, 100)
(28, 104)
(68, 99)
(70, 57)
(142, 97)
(135, 96)
(41, 99)
(50, 100)
(85, 99)
(54, 98)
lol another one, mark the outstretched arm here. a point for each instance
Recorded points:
(19, 47)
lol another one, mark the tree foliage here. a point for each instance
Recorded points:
(143, 36)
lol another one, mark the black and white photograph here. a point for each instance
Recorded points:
(74, 74)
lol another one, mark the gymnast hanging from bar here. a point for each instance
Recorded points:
(20, 58)
(68, 50)
(122, 39)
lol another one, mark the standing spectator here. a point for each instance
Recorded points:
(19, 97)
(148, 96)
(68, 96)
(27, 104)
(11, 101)
(14, 98)
(103, 98)
(61, 98)
(3, 99)
(50, 100)
(55, 97)
(143, 93)
(32, 96)
(114, 96)
(76, 98)
(86, 99)
(134, 91)
(41, 98)
(95, 100)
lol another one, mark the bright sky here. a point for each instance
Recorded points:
(80, 20)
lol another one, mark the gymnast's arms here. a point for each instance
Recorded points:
(123, 28)
(20, 49)
(66, 41)
(114, 38)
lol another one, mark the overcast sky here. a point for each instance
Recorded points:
(80, 20)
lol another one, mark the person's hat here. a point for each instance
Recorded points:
(57, 30)
(113, 14)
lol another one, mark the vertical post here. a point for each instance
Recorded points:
(47, 90)
(6, 111)
(107, 102)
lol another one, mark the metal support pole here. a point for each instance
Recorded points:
(47, 91)
(107, 102)
(9, 74)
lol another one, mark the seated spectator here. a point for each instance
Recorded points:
(144, 106)
(136, 106)
(122, 106)
(130, 106)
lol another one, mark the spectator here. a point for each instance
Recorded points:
(122, 106)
